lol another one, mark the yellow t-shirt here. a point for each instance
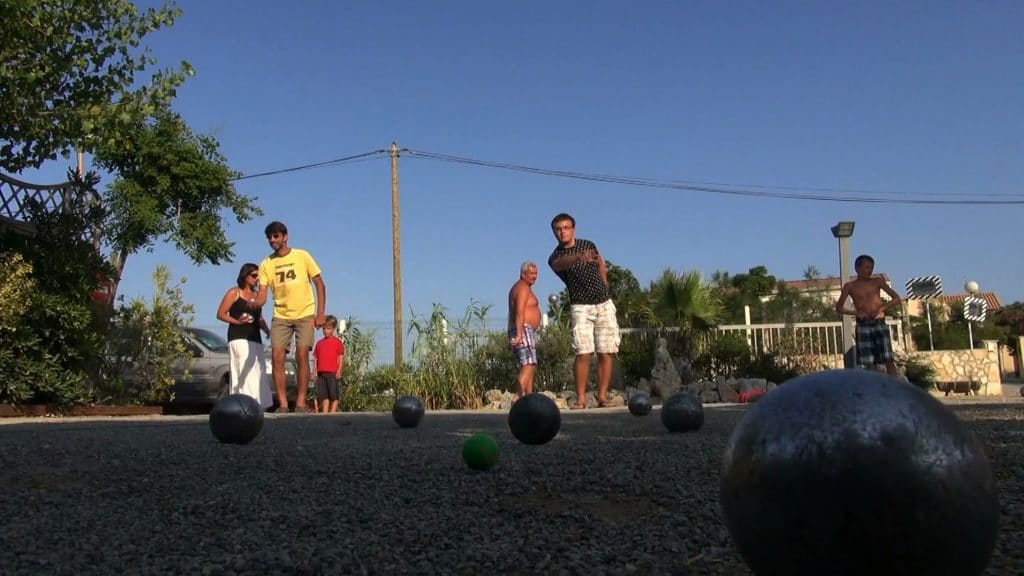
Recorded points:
(289, 279)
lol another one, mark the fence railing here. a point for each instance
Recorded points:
(821, 339)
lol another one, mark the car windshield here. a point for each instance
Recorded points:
(211, 340)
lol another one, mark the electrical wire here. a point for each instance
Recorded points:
(733, 190)
(363, 156)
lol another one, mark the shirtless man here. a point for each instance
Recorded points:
(523, 321)
(874, 346)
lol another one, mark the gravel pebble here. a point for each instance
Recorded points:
(355, 494)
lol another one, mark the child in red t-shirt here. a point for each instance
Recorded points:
(328, 359)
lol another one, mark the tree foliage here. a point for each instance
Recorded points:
(69, 75)
(171, 185)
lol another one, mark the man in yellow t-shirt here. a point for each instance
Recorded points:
(289, 273)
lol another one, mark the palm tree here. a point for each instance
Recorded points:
(685, 302)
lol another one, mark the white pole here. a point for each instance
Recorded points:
(746, 320)
(931, 342)
(970, 333)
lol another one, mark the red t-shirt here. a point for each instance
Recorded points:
(326, 353)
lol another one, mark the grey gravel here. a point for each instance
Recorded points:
(355, 494)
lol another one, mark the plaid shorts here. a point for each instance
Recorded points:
(873, 343)
(594, 328)
(526, 352)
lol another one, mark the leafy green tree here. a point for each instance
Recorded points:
(69, 75)
(1012, 319)
(792, 305)
(950, 331)
(741, 290)
(171, 185)
(756, 282)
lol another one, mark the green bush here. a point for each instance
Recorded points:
(554, 359)
(774, 367)
(920, 371)
(147, 337)
(636, 357)
(726, 355)
(51, 344)
(373, 391)
(496, 364)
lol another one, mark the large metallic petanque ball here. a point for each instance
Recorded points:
(407, 411)
(854, 472)
(236, 419)
(640, 404)
(682, 412)
(534, 419)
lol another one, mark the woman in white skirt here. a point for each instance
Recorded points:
(245, 343)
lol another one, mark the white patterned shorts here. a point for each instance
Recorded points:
(594, 328)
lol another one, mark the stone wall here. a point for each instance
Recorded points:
(980, 365)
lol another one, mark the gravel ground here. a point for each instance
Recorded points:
(354, 494)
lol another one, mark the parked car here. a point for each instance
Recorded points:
(205, 378)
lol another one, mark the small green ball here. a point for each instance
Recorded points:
(480, 452)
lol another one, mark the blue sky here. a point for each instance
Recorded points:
(916, 99)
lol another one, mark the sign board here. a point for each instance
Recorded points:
(924, 287)
(975, 309)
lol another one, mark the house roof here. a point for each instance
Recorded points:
(830, 283)
(991, 300)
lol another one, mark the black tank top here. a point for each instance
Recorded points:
(244, 331)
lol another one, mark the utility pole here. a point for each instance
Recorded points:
(396, 255)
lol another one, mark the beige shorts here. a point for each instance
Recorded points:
(594, 328)
(281, 332)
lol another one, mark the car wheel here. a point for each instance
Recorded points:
(224, 387)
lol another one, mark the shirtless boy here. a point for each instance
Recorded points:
(874, 346)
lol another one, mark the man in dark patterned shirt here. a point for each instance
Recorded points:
(594, 328)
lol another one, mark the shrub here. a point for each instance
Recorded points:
(636, 356)
(920, 371)
(146, 338)
(727, 355)
(554, 359)
(51, 345)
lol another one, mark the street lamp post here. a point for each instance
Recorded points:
(971, 287)
(843, 231)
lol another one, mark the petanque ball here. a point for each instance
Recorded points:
(640, 404)
(682, 412)
(407, 411)
(855, 472)
(480, 452)
(534, 419)
(236, 419)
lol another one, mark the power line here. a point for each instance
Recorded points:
(733, 190)
(365, 155)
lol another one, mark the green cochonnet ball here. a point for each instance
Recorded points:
(480, 452)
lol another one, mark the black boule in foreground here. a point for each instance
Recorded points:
(236, 419)
(534, 419)
(854, 472)
(682, 412)
(407, 411)
(640, 404)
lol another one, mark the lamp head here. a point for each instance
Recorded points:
(843, 229)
